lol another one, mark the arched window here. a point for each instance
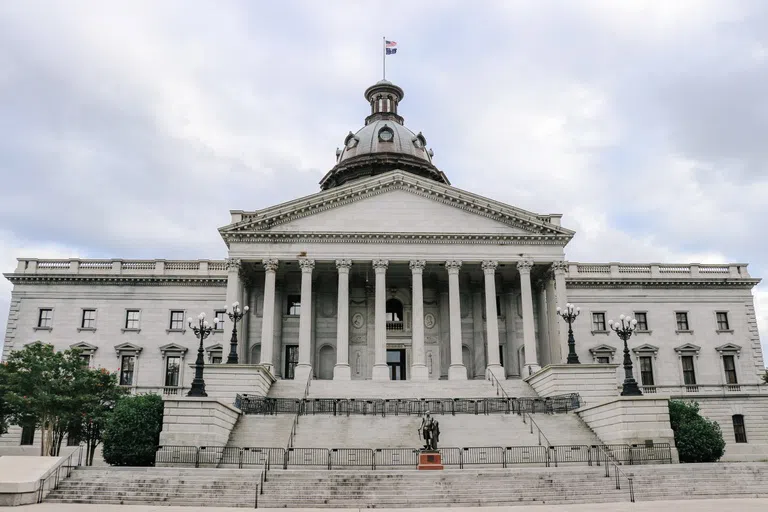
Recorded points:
(394, 315)
(739, 431)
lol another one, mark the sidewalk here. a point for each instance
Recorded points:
(727, 505)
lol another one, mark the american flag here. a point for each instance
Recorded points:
(390, 44)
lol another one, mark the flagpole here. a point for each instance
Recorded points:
(384, 57)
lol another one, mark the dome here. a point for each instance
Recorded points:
(383, 144)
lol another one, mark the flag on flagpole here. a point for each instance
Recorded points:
(390, 47)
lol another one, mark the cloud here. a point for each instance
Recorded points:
(131, 131)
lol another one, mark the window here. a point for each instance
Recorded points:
(682, 321)
(45, 320)
(86, 360)
(294, 304)
(394, 310)
(729, 365)
(498, 305)
(172, 367)
(177, 320)
(216, 359)
(603, 360)
(642, 321)
(722, 321)
(126, 370)
(689, 374)
(218, 320)
(27, 435)
(89, 319)
(598, 321)
(738, 428)
(132, 319)
(646, 371)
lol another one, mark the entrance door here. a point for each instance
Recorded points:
(466, 358)
(291, 360)
(327, 362)
(396, 363)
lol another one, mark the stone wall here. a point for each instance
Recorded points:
(197, 422)
(595, 383)
(224, 381)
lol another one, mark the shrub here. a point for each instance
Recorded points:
(698, 439)
(132, 432)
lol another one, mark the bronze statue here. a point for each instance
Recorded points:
(430, 430)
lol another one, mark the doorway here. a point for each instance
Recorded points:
(327, 362)
(291, 360)
(396, 363)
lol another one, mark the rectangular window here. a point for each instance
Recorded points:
(682, 321)
(126, 370)
(218, 320)
(86, 360)
(689, 374)
(294, 304)
(172, 367)
(498, 305)
(722, 321)
(598, 321)
(89, 319)
(45, 319)
(603, 360)
(642, 321)
(132, 319)
(216, 359)
(27, 435)
(646, 371)
(729, 365)
(177, 320)
(739, 431)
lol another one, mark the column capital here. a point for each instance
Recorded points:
(233, 264)
(417, 266)
(524, 266)
(380, 266)
(343, 265)
(270, 264)
(489, 267)
(307, 265)
(453, 266)
(559, 267)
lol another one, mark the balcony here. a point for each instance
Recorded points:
(157, 390)
(395, 326)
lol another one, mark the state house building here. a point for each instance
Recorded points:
(390, 272)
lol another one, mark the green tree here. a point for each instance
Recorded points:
(765, 377)
(698, 439)
(5, 410)
(132, 431)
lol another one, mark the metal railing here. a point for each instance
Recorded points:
(373, 458)
(295, 423)
(262, 479)
(496, 384)
(54, 476)
(609, 461)
(406, 406)
(533, 425)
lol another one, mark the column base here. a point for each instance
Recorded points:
(497, 371)
(419, 372)
(302, 372)
(342, 372)
(457, 372)
(380, 372)
(530, 369)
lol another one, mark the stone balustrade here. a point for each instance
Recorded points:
(657, 270)
(122, 267)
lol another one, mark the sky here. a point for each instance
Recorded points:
(130, 129)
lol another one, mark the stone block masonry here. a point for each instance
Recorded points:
(192, 421)
(224, 381)
(595, 383)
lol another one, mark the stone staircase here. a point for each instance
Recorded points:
(383, 488)
(400, 389)
(564, 429)
(261, 431)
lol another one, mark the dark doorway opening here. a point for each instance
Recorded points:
(291, 360)
(396, 363)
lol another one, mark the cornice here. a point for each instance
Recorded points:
(120, 280)
(396, 238)
(660, 282)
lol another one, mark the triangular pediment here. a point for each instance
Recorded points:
(173, 347)
(213, 348)
(602, 348)
(128, 348)
(646, 348)
(85, 347)
(397, 202)
(729, 347)
(688, 347)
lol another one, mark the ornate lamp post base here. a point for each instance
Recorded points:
(631, 388)
(202, 331)
(198, 388)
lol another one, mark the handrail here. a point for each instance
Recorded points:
(618, 472)
(496, 384)
(56, 472)
(296, 418)
(533, 423)
(262, 480)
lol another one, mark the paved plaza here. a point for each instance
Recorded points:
(740, 505)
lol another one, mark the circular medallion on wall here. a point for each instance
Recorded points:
(357, 320)
(429, 320)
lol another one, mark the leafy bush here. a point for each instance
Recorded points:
(698, 439)
(132, 432)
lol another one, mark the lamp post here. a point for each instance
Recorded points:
(235, 315)
(569, 315)
(202, 331)
(624, 328)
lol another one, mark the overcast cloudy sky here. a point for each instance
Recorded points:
(130, 129)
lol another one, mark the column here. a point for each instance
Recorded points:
(559, 268)
(380, 368)
(419, 370)
(529, 334)
(268, 315)
(543, 324)
(556, 356)
(456, 371)
(304, 367)
(341, 371)
(492, 321)
(233, 295)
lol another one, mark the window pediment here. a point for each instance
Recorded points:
(688, 349)
(128, 349)
(646, 349)
(602, 349)
(85, 348)
(214, 348)
(729, 349)
(173, 348)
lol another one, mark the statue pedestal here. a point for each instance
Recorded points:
(430, 460)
